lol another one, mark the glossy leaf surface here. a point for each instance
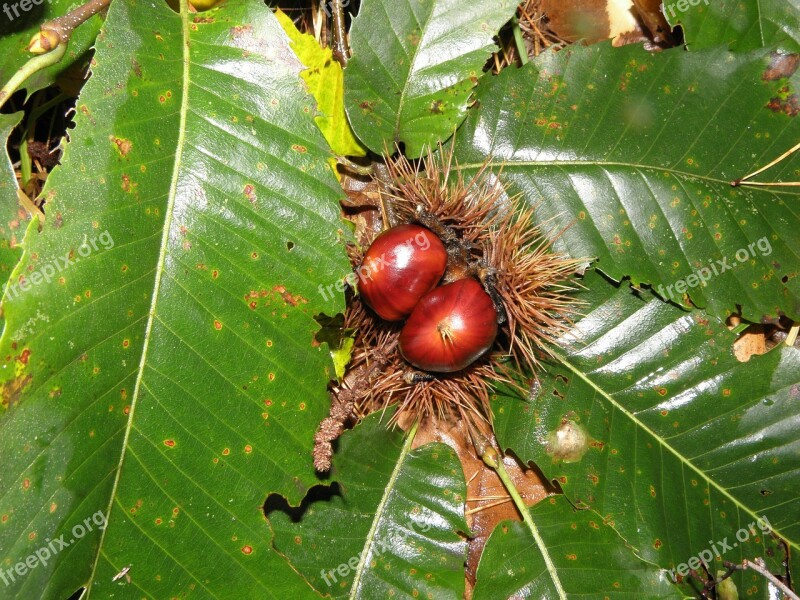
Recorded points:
(651, 421)
(414, 65)
(589, 136)
(576, 555)
(170, 376)
(738, 25)
(393, 531)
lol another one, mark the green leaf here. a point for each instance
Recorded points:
(741, 26)
(339, 339)
(632, 154)
(341, 356)
(170, 376)
(9, 204)
(16, 33)
(394, 531)
(650, 420)
(414, 66)
(325, 80)
(581, 556)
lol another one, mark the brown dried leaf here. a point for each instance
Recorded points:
(362, 206)
(752, 341)
(626, 22)
(488, 502)
(650, 15)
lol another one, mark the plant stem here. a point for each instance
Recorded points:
(25, 162)
(519, 41)
(340, 49)
(37, 63)
(493, 459)
(64, 26)
(354, 167)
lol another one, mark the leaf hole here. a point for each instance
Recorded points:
(319, 493)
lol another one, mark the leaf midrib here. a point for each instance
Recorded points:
(390, 485)
(544, 549)
(159, 271)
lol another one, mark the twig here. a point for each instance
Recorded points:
(489, 497)
(791, 337)
(58, 31)
(30, 206)
(318, 12)
(340, 49)
(471, 479)
(50, 42)
(758, 565)
(478, 509)
(766, 183)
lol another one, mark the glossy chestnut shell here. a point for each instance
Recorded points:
(402, 265)
(450, 328)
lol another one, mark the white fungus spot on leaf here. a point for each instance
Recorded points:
(568, 443)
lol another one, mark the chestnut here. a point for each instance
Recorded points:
(450, 328)
(403, 264)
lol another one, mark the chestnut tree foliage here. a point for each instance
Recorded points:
(159, 362)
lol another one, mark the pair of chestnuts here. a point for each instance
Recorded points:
(448, 327)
